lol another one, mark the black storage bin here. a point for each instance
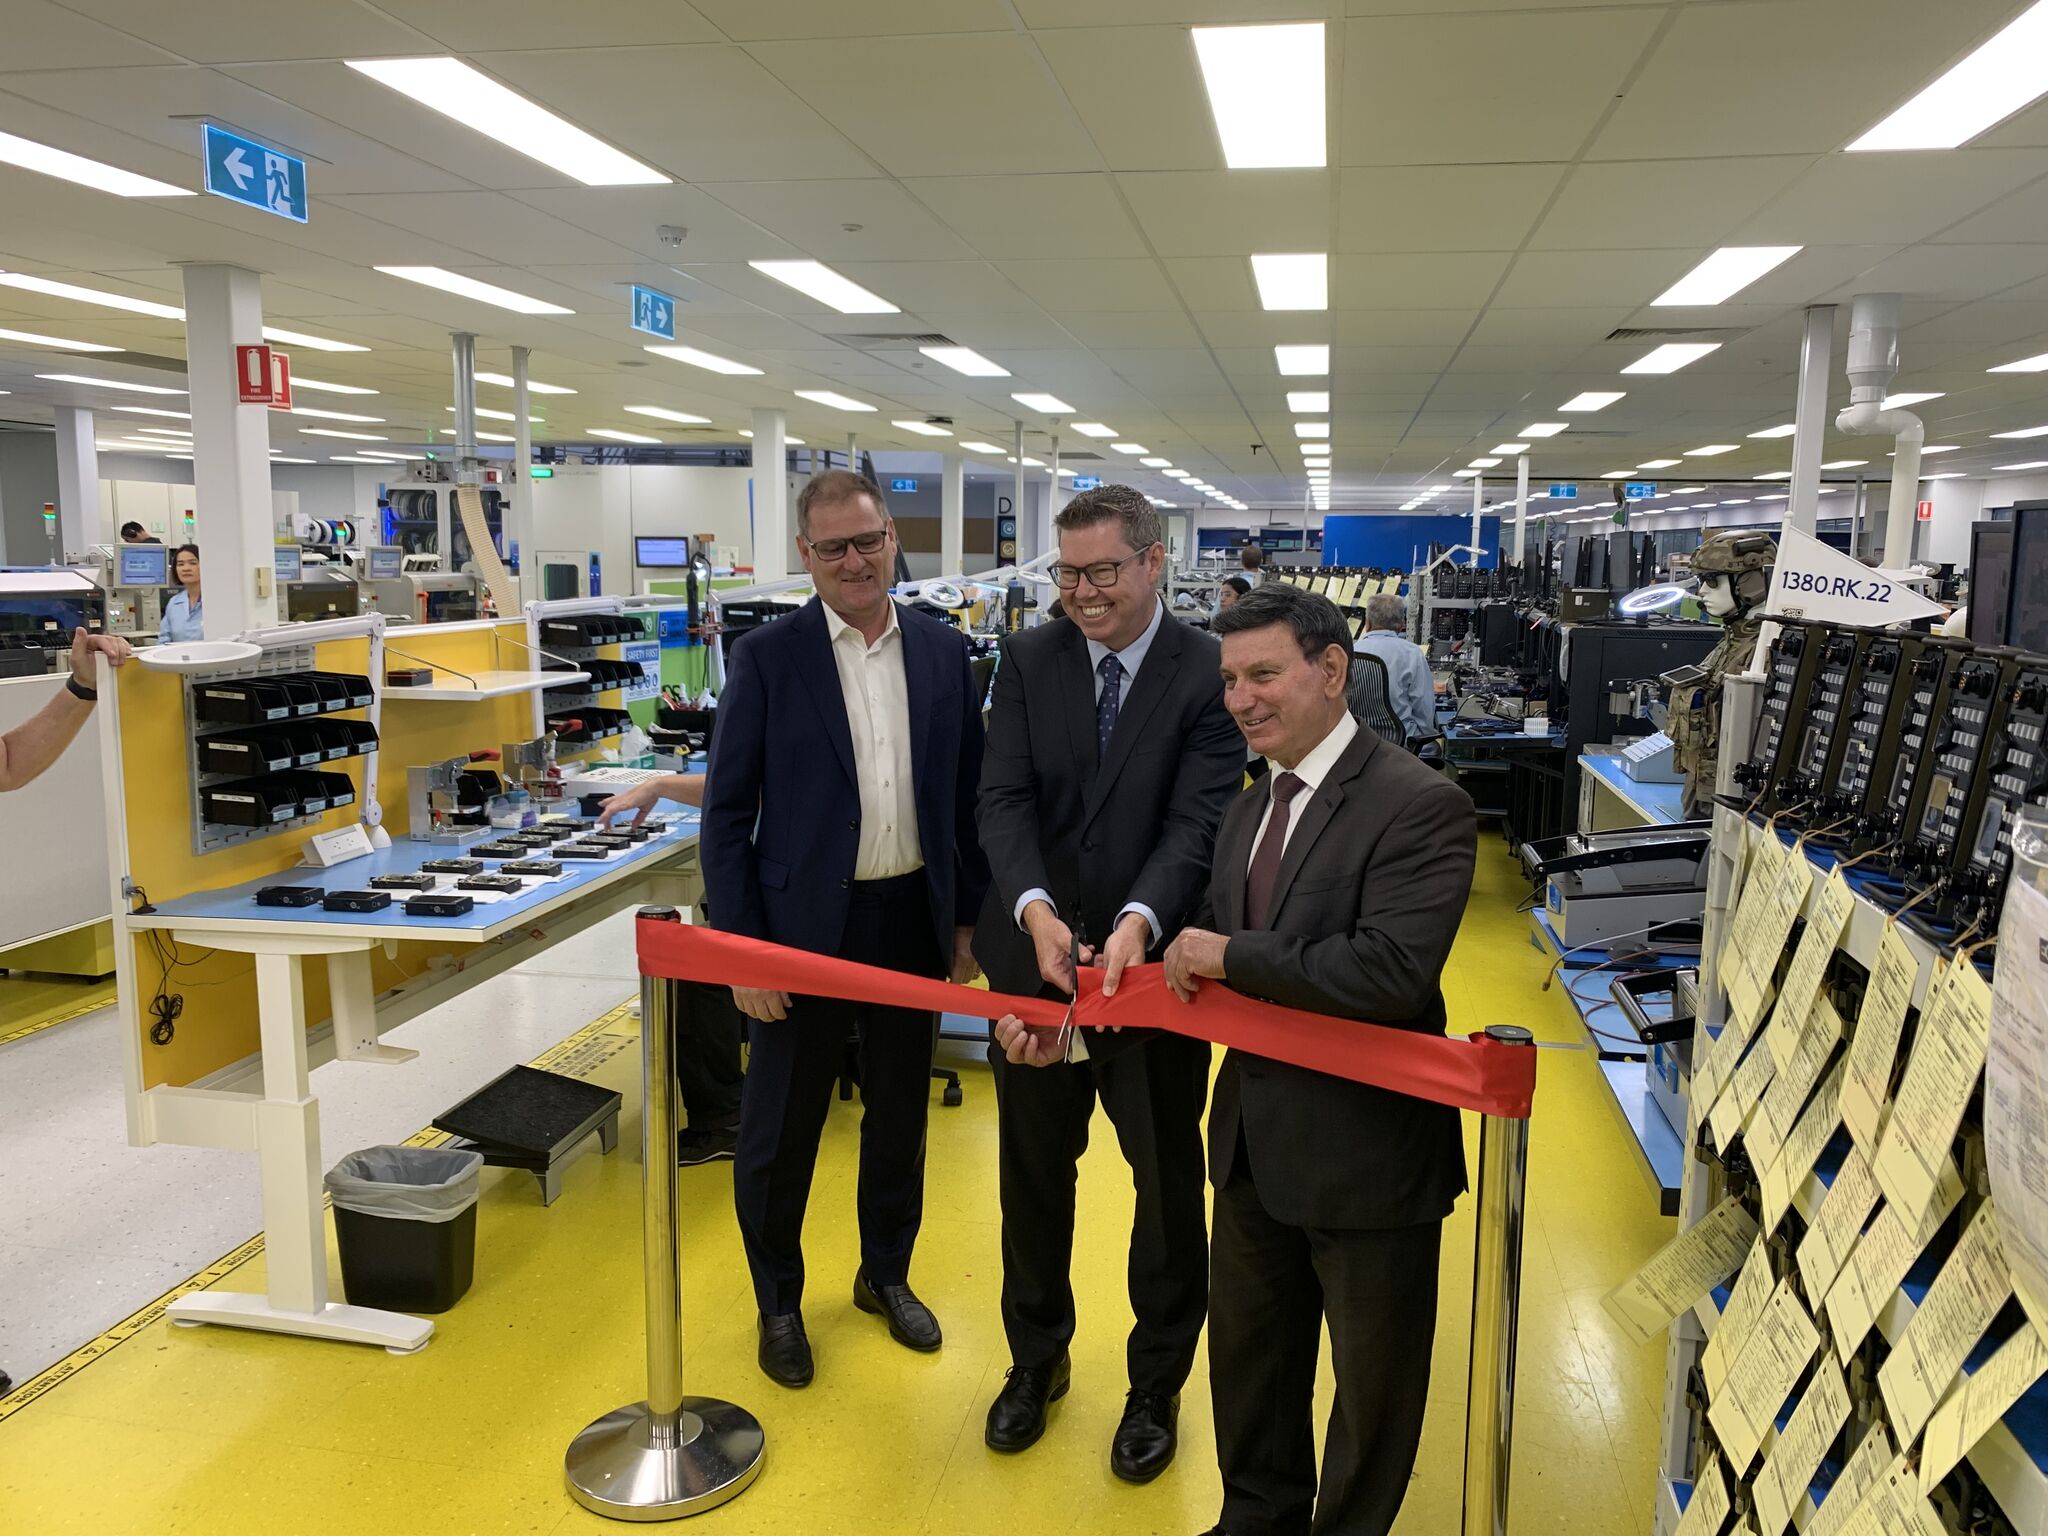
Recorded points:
(260, 802)
(405, 1226)
(242, 701)
(248, 753)
(339, 789)
(351, 689)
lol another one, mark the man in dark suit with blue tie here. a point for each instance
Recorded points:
(839, 818)
(1110, 761)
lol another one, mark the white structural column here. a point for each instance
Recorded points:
(952, 515)
(1521, 504)
(230, 450)
(1478, 505)
(772, 526)
(1027, 532)
(519, 516)
(1809, 440)
(852, 454)
(78, 482)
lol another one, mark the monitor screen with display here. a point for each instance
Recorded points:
(1990, 581)
(387, 562)
(144, 565)
(662, 553)
(2027, 619)
(291, 562)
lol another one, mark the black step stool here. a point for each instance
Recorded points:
(530, 1119)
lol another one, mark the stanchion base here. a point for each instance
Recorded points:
(626, 1467)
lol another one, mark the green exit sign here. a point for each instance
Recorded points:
(540, 472)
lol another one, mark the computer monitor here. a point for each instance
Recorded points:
(2026, 624)
(291, 562)
(143, 565)
(387, 562)
(1990, 581)
(662, 553)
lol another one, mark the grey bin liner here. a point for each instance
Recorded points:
(406, 1183)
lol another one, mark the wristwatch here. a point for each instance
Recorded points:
(83, 692)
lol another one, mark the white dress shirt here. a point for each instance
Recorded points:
(1311, 770)
(872, 682)
(1131, 657)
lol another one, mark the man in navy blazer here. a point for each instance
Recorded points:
(839, 818)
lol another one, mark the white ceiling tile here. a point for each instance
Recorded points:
(1640, 204)
(702, 114)
(1740, 79)
(1166, 126)
(1548, 77)
(1587, 278)
(1889, 198)
(1026, 217)
(465, 27)
(1080, 285)
(218, 34)
(1222, 213)
(1951, 271)
(756, 20)
(982, 105)
(954, 286)
(629, 217)
(1422, 280)
(485, 221)
(1145, 328)
(813, 215)
(1255, 328)
(1402, 327)
(1547, 326)
(2021, 215)
(43, 35)
(1441, 208)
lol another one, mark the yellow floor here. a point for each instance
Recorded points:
(212, 1430)
(31, 1001)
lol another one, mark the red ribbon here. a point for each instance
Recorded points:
(1477, 1074)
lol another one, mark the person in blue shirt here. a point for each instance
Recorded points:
(1410, 688)
(181, 619)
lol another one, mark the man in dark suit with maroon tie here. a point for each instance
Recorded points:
(1338, 886)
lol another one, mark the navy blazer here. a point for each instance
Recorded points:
(781, 818)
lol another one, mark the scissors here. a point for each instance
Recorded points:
(1064, 1038)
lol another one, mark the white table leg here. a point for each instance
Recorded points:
(294, 1222)
(355, 1011)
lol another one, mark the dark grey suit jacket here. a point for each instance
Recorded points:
(1365, 909)
(1138, 826)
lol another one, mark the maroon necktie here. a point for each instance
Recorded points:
(1265, 873)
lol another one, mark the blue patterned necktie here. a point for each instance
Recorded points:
(1106, 705)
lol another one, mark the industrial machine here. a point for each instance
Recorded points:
(1795, 658)
(1644, 883)
(137, 580)
(412, 589)
(39, 608)
(321, 592)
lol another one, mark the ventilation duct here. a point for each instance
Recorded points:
(1873, 364)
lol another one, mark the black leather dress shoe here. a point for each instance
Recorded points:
(911, 1323)
(785, 1350)
(1146, 1439)
(1017, 1417)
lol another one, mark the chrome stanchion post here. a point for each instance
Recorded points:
(1496, 1306)
(671, 1455)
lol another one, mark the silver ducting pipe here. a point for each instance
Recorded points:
(1873, 364)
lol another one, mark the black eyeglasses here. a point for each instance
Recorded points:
(1103, 573)
(835, 549)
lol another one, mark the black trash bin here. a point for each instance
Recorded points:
(405, 1222)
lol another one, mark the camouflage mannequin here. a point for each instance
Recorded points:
(1734, 571)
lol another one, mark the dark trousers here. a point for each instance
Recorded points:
(1274, 1284)
(708, 1070)
(791, 1070)
(1154, 1095)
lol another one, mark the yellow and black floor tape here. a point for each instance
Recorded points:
(575, 1056)
(51, 1021)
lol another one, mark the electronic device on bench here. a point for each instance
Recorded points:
(2014, 776)
(1897, 800)
(1628, 882)
(1817, 756)
(1788, 689)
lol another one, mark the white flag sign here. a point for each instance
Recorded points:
(1817, 582)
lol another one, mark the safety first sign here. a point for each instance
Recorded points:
(1815, 581)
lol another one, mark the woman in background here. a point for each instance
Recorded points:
(181, 619)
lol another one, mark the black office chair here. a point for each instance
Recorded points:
(1371, 703)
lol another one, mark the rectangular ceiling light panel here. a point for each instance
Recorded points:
(1293, 282)
(2005, 74)
(816, 280)
(475, 100)
(1265, 86)
(474, 288)
(1724, 274)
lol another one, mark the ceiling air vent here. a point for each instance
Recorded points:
(892, 341)
(1678, 333)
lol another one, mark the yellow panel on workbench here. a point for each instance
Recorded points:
(218, 1024)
